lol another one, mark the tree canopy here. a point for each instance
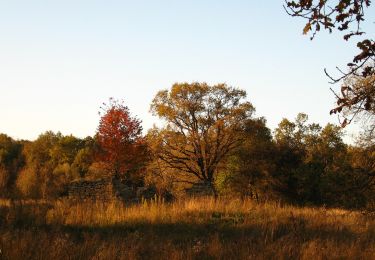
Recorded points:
(119, 135)
(210, 144)
(202, 125)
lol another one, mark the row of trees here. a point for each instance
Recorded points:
(210, 136)
(356, 97)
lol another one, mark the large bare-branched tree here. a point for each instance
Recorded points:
(202, 127)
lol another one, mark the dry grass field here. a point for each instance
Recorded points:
(187, 229)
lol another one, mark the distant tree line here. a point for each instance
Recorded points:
(210, 136)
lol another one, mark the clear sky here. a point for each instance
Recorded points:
(59, 60)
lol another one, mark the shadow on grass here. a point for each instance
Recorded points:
(182, 232)
(27, 236)
(26, 217)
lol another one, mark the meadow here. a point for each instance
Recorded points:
(201, 228)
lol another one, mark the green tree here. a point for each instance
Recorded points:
(11, 160)
(289, 137)
(325, 166)
(48, 162)
(361, 186)
(313, 164)
(39, 166)
(65, 149)
(248, 170)
(84, 157)
(202, 127)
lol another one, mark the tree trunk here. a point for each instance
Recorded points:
(213, 189)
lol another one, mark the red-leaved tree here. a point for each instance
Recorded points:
(121, 145)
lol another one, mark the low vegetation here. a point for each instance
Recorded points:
(186, 229)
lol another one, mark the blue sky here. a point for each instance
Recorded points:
(59, 60)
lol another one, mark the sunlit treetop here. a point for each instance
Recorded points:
(119, 136)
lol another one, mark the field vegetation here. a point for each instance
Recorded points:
(211, 180)
(224, 186)
(202, 228)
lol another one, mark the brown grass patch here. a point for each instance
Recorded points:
(186, 229)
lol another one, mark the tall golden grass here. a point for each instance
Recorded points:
(187, 229)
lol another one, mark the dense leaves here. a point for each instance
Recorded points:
(11, 160)
(210, 139)
(315, 166)
(248, 169)
(119, 136)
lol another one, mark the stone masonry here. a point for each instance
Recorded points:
(105, 189)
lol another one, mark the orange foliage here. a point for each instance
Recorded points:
(119, 136)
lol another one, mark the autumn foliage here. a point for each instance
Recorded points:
(356, 96)
(211, 141)
(203, 126)
(120, 140)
